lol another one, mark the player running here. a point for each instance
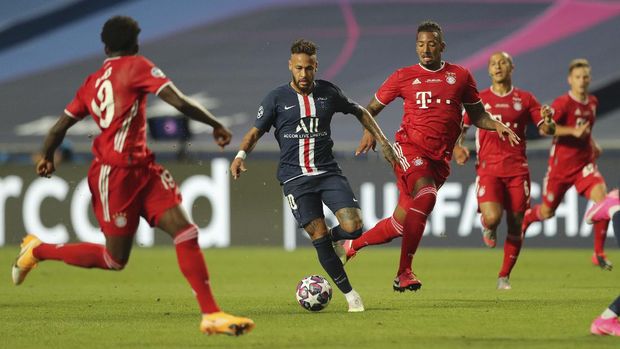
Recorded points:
(605, 210)
(572, 159)
(434, 93)
(503, 180)
(301, 112)
(124, 179)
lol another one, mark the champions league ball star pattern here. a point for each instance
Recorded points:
(313, 293)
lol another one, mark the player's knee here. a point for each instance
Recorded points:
(546, 213)
(116, 263)
(353, 227)
(492, 219)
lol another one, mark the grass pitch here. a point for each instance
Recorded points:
(555, 296)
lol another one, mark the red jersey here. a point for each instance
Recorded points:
(569, 154)
(433, 101)
(115, 96)
(515, 109)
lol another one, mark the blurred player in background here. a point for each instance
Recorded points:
(609, 208)
(434, 93)
(124, 179)
(301, 112)
(572, 159)
(503, 181)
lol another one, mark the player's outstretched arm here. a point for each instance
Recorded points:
(368, 142)
(192, 109)
(460, 151)
(482, 119)
(371, 126)
(45, 166)
(548, 127)
(247, 145)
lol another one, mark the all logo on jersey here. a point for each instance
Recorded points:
(517, 105)
(451, 78)
(416, 81)
(261, 110)
(312, 125)
(481, 191)
(487, 106)
(424, 98)
(578, 112)
(156, 72)
(418, 161)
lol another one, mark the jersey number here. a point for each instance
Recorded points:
(103, 104)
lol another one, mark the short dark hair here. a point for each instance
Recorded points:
(120, 33)
(304, 46)
(431, 26)
(578, 63)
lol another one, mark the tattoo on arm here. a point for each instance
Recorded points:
(480, 117)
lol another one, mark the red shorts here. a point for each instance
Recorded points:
(120, 195)
(555, 186)
(412, 166)
(511, 192)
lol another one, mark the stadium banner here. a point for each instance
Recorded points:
(252, 211)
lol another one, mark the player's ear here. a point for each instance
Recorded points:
(290, 65)
(443, 46)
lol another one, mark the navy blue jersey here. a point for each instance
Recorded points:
(302, 127)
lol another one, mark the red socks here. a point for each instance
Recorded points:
(193, 267)
(531, 215)
(415, 221)
(384, 231)
(600, 234)
(512, 247)
(85, 255)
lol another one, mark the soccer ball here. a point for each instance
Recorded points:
(313, 293)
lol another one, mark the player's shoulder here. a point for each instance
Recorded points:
(278, 92)
(592, 99)
(521, 93)
(328, 86)
(455, 68)
(563, 99)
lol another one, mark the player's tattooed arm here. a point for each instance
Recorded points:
(45, 166)
(371, 126)
(547, 127)
(368, 142)
(247, 145)
(192, 109)
(482, 119)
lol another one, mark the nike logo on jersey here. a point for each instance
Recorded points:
(287, 107)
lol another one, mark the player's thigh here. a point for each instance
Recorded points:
(305, 203)
(554, 189)
(160, 195)
(115, 198)
(591, 184)
(338, 196)
(490, 193)
(517, 193)
(416, 171)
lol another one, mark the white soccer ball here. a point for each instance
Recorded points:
(313, 293)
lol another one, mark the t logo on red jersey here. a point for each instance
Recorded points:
(420, 98)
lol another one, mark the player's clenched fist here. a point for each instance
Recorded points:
(45, 168)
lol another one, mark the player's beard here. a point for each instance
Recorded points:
(307, 88)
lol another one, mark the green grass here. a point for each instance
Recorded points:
(555, 296)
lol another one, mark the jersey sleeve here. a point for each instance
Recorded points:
(148, 78)
(343, 103)
(559, 111)
(266, 116)
(534, 110)
(470, 92)
(77, 108)
(389, 90)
